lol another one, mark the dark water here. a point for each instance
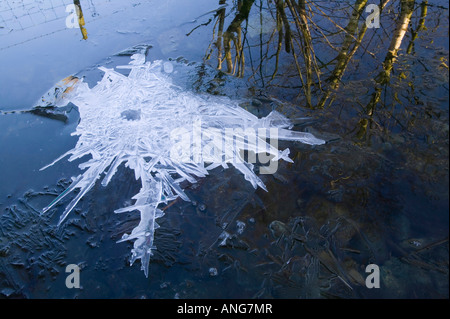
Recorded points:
(376, 193)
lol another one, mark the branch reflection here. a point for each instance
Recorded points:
(310, 52)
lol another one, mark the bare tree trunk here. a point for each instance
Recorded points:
(221, 14)
(420, 26)
(301, 22)
(234, 29)
(407, 9)
(81, 22)
(345, 55)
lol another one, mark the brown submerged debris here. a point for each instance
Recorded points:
(306, 252)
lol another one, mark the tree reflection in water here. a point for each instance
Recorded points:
(313, 52)
(384, 93)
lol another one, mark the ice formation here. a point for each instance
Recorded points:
(146, 122)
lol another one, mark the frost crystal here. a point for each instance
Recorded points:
(166, 135)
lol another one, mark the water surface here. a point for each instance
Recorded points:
(376, 193)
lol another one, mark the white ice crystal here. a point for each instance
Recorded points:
(146, 122)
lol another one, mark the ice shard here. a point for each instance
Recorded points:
(166, 135)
